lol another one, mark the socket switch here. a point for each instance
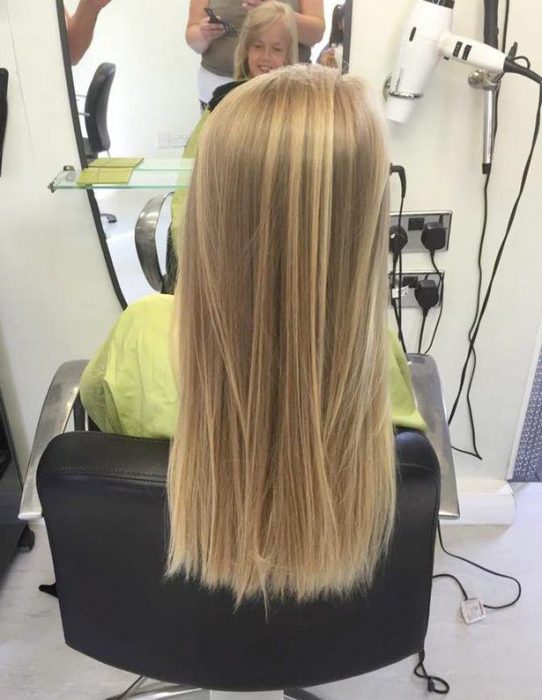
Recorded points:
(410, 281)
(167, 139)
(413, 223)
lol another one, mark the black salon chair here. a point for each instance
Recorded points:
(97, 98)
(103, 500)
(97, 139)
(145, 237)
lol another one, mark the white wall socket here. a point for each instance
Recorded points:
(168, 140)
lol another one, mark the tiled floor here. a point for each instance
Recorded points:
(499, 658)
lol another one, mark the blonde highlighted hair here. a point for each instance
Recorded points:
(282, 475)
(257, 21)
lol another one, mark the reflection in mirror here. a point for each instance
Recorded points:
(139, 75)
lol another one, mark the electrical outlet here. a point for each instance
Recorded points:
(410, 281)
(413, 223)
(168, 140)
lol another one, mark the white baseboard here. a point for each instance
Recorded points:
(484, 502)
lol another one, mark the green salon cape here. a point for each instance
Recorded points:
(129, 388)
(178, 201)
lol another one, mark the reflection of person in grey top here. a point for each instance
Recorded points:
(80, 27)
(217, 48)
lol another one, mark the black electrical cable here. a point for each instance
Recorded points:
(470, 412)
(441, 297)
(475, 452)
(126, 693)
(482, 568)
(422, 330)
(421, 672)
(522, 58)
(465, 452)
(505, 30)
(500, 250)
(396, 303)
(400, 298)
(503, 49)
(463, 591)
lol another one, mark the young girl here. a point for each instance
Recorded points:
(282, 472)
(268, 40)
(217, 47)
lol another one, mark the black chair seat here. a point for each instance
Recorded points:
(103, 499)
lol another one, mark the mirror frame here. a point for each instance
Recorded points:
(81, 152)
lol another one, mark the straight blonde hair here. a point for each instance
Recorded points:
(282, 478)
(257, 21)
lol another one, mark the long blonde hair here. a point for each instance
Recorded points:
(257, 21)
(282, 476)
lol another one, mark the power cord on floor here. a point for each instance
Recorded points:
(421, 672)
(482, 568)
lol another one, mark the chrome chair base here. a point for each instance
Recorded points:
(155, 690)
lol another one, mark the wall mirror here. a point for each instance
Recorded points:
(152, 108)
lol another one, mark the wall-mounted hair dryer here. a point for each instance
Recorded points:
(427, 38)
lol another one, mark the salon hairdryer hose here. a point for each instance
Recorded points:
(3, 110)
(427, 37)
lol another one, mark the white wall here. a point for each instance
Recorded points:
(56, 300)
(440, 149)
(155, 88)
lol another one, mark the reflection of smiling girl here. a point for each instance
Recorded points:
(268, 40)
(217, 48)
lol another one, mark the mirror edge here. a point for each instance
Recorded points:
(81, 151)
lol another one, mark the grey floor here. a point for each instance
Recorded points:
(498, 658)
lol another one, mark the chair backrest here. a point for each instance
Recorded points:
(103, 500)
(96, 108)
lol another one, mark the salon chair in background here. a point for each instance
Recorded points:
(103, 501)
(146, 244)
(97, 139)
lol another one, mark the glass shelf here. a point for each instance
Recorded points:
(150, 174)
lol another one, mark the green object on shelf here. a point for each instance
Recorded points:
(150, 174)
(115, 162)
(105, 176)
